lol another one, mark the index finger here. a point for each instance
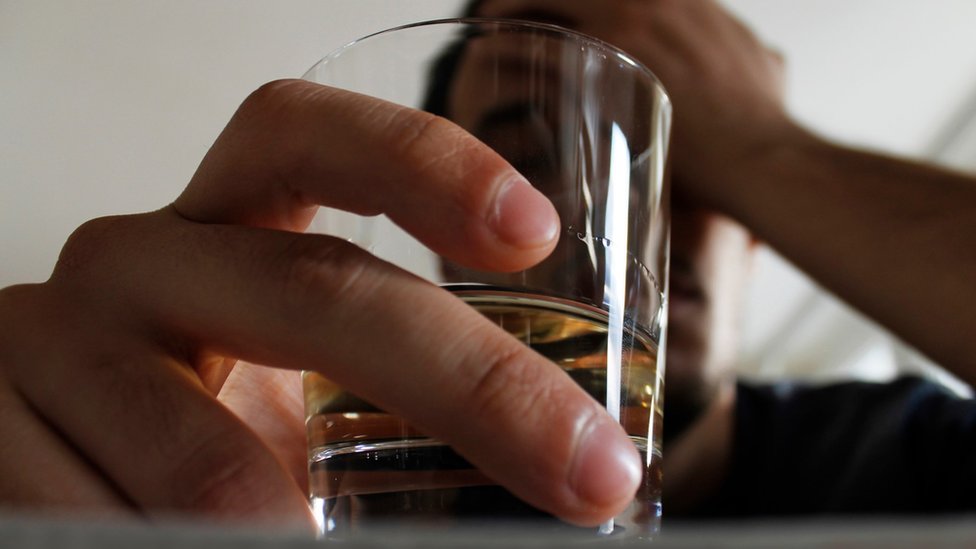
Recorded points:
(294, 145)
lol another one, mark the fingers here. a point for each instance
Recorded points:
(295, 144)
(313, 302)
(39, 471)
(147, 423)
(270, 402)
(171, 448)
(284, 299)
(185, 292)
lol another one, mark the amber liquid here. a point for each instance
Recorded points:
(369, 469)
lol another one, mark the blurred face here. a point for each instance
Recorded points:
(710, 254)
(710, 261)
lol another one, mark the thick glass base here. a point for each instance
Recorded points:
(421, 484)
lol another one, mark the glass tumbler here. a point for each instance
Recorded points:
(588, 126)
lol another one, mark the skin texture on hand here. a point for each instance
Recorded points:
(110, 369)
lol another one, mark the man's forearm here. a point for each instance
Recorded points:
(894, 238)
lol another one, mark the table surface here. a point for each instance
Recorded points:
(24, 532)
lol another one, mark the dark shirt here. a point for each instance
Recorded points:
(903, 447)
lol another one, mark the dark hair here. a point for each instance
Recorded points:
(471, 10)
(444, 67)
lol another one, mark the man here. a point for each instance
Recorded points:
(112, 367)
(741, 450)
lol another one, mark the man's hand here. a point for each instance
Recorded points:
(725, 85)
(110, 369)
(893, 238)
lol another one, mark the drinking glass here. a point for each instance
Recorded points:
(588, 126)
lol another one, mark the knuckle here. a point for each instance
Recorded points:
(273, 97)
(511, 385)
(269, 111)
(423, 141)
(276, 115)
(319, 273)
(87, 244)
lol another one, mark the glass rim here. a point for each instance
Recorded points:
(509, 23)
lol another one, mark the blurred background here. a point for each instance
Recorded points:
(107, 106)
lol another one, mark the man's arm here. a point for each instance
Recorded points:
(894, 238)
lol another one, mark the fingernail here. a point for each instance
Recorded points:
(522, 216)
(607, 466)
